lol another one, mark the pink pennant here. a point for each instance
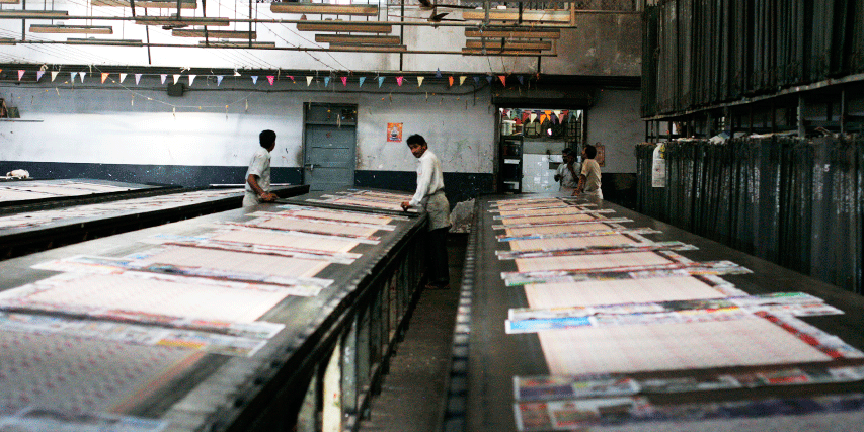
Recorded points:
(344, 81)
(20, 74)
(399, 80)
(270, 79)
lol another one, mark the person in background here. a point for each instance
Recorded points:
(589, 177)
(567, 172)
(258, 175)
(430, 195)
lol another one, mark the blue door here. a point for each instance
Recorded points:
(329, 143)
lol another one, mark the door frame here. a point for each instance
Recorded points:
(306, 106)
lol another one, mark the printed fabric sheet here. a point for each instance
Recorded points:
(582, 262)
(537, 220)
(318, 228)
(343, 216)
(673, 346)
(238, 262)
(145, 296)
(270, 238)
(557, 229)
(570, 243)
(597, 292)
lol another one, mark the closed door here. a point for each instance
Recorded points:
(329, 143)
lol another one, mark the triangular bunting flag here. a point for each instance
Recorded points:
(399, 81)
(20, 74)
(123, 77)
(72, 76)
(501, 77)
(533, 116)
(344, 81)
(163, 76)
(270, 79)
(176, 77)
(104, 77)
(138, 78)
(462, 79)
(362, 80)
(521, 79)
(326, 81)
(82, 75)
(380, 81)
(191, 78)
(292, 78)
(419, 81)
(489, 79)
(219, 79)
(451, 81)
(476, 80)
(254, 79)
(438, 74)
(39, 75)
(54, 76)
(308, 81)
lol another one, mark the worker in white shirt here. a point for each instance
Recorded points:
(430, 196)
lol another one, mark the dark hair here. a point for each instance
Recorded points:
(266, 138)
(415, 139)
(566, 151)
(590, 151)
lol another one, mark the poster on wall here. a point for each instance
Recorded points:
(601, 154)
(394, 132)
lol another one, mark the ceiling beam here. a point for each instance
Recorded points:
(237, 44)
(169, 21)
(109, 42)
(323, 8)
(346, 26)
(226, 34)
(346, 38)
(514, 32)
(508, 44)
(60, 28)
(533, 15)
(33, 14)
(156, 4)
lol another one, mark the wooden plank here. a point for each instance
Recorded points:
(232, 34)
(10, 1)
(323, 8)
(514, 32)
(45, 28)
(212, 44)
(167, 21)
(499, 52)
(156, 4)
(346, 27)
(343, 38)
(510, 14)
(513, 45)
(32, 14)
(384, 48)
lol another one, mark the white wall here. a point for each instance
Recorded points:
(143, 125)
(614, 122)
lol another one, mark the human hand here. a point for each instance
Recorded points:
(268, 197)
(405, 205)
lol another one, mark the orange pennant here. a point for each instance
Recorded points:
(501, 77)
(104, 76)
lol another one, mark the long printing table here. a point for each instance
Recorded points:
(45, 225)
(29, 195)
(191, 345)
(583, 360)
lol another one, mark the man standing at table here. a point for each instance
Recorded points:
(590, 182)
(258, 175)
(430, 196)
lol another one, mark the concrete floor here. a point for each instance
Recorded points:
(413, 394)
